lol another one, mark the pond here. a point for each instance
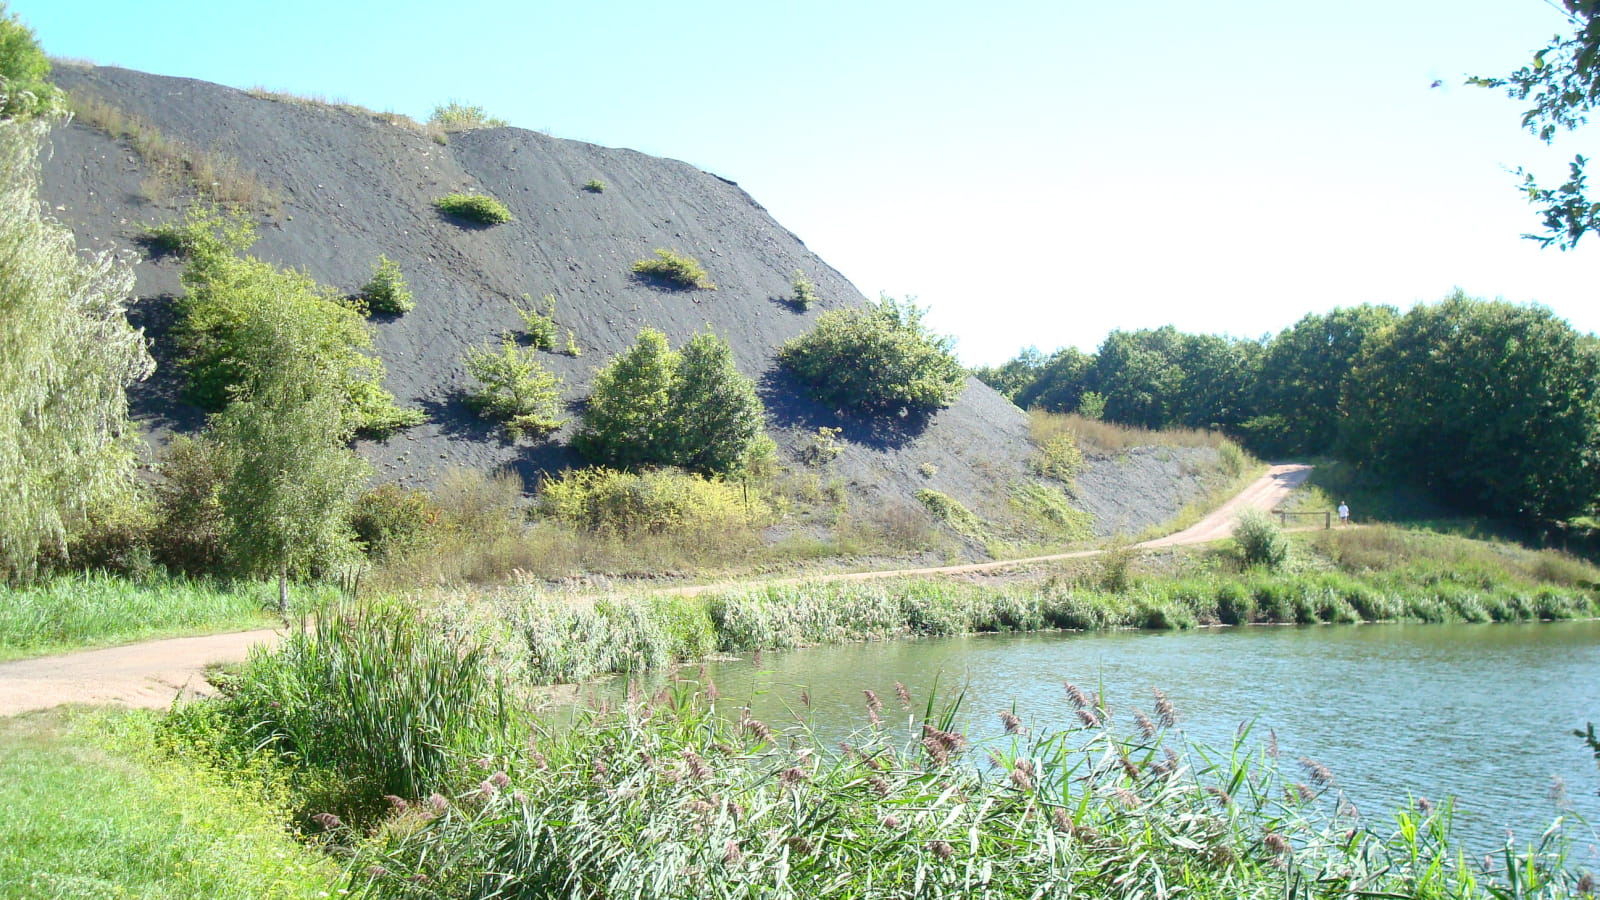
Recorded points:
(1481, 713)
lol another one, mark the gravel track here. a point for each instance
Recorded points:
(152, 674)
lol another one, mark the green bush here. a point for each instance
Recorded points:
(456, 116)
(805, 293)
(653, 501)
(387, 293)
(513, 388)
(1261, 542)
(652, 406)
(595, 186)
(25, 88)
(1058, 458)
(539, 324)
(390, 520)
(878, 358)
(474, 208)
(233, 302)
(676, 269)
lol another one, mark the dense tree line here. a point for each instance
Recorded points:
(1492, 406)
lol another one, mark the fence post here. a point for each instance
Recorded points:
(1327, 520)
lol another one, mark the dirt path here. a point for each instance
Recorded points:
(151, 674)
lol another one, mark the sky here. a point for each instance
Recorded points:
(1035, 172)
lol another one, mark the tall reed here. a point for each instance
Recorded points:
(673, 797)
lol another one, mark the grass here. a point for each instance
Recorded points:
(675, 269)
(1106, 438)
(89, 809)
(71, 612)
(176, 166)
(479, 208)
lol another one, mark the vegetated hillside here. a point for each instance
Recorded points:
(347, 185)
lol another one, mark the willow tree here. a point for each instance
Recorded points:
(67, 356)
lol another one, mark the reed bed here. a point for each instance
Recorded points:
(681, 795)
(674, 798)
(550, 639)
(93, 609)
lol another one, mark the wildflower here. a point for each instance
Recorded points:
(1275, 843)
(879, 784)
(438, 803)
(732, 856)
(792, 776)
(1088, 718)
(805, 697)
(396, 804)
(538, 760)
(500, 780)
(903, 695)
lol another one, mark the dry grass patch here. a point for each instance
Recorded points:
(176, 165)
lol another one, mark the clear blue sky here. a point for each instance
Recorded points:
(1038, 172)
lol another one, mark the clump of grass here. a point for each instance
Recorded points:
(365, 697)
(595, 186)
(89, 609)
(676, 269)
(949, 510)
(479, 208)
(176, 165)
(571, 348)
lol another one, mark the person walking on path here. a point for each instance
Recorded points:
(1344, 513)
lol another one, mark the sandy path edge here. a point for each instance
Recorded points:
(152, 674)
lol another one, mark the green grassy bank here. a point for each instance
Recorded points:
(77, 611)
(89, 808)
(1356, 575)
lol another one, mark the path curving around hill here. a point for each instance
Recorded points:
(150, 675)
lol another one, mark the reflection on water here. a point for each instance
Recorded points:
(1483, 713)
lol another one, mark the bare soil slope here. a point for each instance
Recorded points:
(352, 185)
